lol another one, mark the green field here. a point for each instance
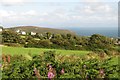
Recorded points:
(35, 51)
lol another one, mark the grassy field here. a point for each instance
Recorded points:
(35, 51)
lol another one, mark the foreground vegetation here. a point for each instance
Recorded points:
(91, 66)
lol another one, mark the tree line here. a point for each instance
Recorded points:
(57, 41)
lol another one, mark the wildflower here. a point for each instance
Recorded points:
(51, 74)
(37, 73)
(62, 71)
(50, 66)
(8, 57)
(0, 65)
(34, 69)
(4, 58)
(101, 72)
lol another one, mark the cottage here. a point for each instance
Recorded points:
(18, 31)
(23, 33)
(1, 28)
(50, 37)
(33, 33)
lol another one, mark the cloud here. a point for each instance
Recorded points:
(91, 1)
(95, 13)
(4, 13)
(75, 16)
(30, 13)
(95, 8)
(12, 2)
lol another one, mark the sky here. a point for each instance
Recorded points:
(59, 13)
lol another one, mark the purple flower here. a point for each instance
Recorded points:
(50, 75)
(0, 65)
(50, 66)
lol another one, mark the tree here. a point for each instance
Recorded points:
(10, 37)
(48, 35)
(99, 42)
(69, 36)
(58, 36)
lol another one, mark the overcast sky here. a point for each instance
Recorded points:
(59, 13)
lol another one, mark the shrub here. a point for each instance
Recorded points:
(13, 44)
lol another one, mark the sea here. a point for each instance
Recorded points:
(110, 32)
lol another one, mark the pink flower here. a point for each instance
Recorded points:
(0, 65)
(50, 75)
(50, 66)
(101, 71)
(62, 71)
(35, 70)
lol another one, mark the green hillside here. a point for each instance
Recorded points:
(41, 30)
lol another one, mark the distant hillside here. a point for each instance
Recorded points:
(41, 30)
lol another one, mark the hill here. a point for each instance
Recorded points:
(41, 30)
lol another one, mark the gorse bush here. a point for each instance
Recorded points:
(53, 65)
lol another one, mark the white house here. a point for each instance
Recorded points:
(18, 31)
(50, 37)
(23, 32)
(41, 34)
(33, 33)
(0, 30)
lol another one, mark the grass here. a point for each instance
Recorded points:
(35, 51)
(115, 60)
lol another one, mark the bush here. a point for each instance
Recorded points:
(13, 44)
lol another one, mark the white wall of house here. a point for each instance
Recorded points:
(17, 31)
(24, 33)
(50, 37)
(0, 30)
(33, 33)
